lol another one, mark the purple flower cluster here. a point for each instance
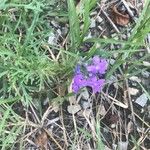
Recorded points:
(90, 75)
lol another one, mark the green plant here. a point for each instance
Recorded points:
(30, 66)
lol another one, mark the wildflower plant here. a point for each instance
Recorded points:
(90, 74)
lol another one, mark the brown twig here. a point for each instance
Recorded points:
(49, 134)
(115, 101)
(110, 21)
(64, 129)
(130, 101)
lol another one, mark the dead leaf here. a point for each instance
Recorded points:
(106, 148)
(130, 127)
(73, 109)
(61, 89)
(72, 99)
(135, 78)
(123, 145)
(102, 110)
(133, 91)
(85, 104)
(85, 94)
(119, 18)
(55, 107)
(42, 140)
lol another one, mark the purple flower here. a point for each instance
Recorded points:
(77, 69)
(102, 66)
(92, 69)
(95, 84)
(98, 66)
(78, 82)
(96, 59)
(90, 75)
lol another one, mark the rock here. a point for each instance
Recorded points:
(123, 145)
(102, 111)
(51, 39)
(145, 74)
(99, 19)
(85, 104)
(146, 63)
(73, 109)
(142, 100)
(133, 91)
(93, 23)
(135, 78)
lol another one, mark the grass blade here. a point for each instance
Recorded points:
(74, 25)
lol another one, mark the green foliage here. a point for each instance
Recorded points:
(136, 40)
(100, 144)
(75, 14)
(27, 68)
(74, 25)
(10, 127)
(25, 65)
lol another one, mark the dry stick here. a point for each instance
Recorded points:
(130, 101)
(36, 117)
(49, 134)
(141, 139)
(148, 42)
(119, 127)
(81, 139)
(31, 142)
(63, 44)
(126, 126)
(65, 40)
(51, 53)
(110, 21)
(28, 135)
(64, 129)
(28, 123)
(90, 124)
(115, 101)
(128, 9)
(106, 111)
(75, 125)
(53, 121)
(46, 114)
(47, 47)
(142, 120)
(20, 35)
(25, 123)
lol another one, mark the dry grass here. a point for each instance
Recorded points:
(35, 86)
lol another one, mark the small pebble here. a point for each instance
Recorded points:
(135, 78)
(142, 100)
(133, 91)
(145, 63)
(99, 19)
(51, 39)
(93, 23)
(145, 74)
